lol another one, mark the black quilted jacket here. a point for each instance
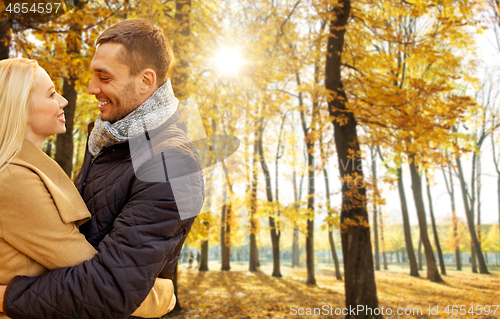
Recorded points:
(143, 199)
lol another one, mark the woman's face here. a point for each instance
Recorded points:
(46, 115)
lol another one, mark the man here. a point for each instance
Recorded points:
(141, 180)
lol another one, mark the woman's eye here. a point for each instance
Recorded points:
(53, 94)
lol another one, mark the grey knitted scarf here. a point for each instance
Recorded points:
(155, 111)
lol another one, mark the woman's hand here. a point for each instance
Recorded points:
(2, 292)
(159, 300)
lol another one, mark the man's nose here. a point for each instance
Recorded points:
(93, 88)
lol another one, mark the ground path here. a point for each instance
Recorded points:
(242, 294)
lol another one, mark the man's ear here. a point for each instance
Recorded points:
(148, 81)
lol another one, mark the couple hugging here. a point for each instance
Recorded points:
(109, 247)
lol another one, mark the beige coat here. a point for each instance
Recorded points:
(40, 211)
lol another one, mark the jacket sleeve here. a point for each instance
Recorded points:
(147, 236)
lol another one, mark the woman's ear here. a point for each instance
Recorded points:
(148, 81)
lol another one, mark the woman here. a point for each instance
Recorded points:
(40, 208)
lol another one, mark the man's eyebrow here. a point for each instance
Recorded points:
(103, 70)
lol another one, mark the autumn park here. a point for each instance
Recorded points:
(355, 148)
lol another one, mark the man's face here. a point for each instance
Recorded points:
(113, 86)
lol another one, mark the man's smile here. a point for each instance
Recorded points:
(103, 104)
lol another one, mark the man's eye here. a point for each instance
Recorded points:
(104, 79)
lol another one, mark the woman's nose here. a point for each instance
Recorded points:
(62, 101)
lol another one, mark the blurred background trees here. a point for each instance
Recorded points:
(339, 107)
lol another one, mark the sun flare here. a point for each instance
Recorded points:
(228, 61)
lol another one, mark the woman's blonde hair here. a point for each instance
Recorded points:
(17, 77)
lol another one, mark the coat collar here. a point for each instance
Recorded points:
(66, 198)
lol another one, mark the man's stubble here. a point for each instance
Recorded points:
(125, 104)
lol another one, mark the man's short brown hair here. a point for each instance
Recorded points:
(145, 47)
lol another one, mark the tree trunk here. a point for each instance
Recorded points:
(472, 199)
(48, 150)
(451, 192)
(473, 262)
(498, 196)
(410, 252)
(225, 238)
(330, 227)
(207, 219)
(375, 227)
(275, 236)
(470, 221)
(360, 288)
(277, 228)
(311, 279)
(295, 245)
(432, 271)
(478, 226)
(229, 213)
(275, 239)
(458, 257)
(64, 142)
(226, 231)
(434, 229)
(181, 72)
(495, 161)
(309, 140)
(253, 261)
(420, 261)
(257, 260)
(5, 33)
(177, 306)
(406, 227)
(253, 252)
(375, 194)
(204, 256)
(384, 257)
